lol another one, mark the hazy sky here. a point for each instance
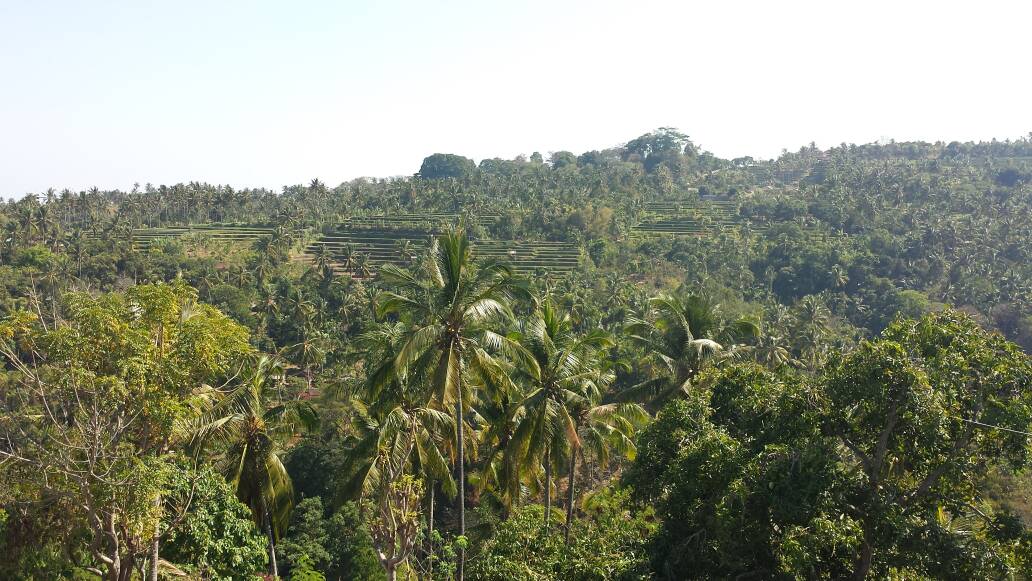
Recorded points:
(102, 93)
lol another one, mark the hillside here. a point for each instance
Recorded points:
(665, 365)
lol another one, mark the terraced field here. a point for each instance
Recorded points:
(688, 219)
(703, 218)
(428, 222)
(362, 251)
(144, 237)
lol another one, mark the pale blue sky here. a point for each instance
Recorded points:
(105, 93)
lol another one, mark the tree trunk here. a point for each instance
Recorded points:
(569, 494)
(152, 572)
(459, 571)
(273, 569)
(430, 534)
(392, 572)
(548, 487)
(125, 572)
(864, 560)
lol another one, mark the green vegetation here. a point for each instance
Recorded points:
(643, 362)
(144, 237)
(360, 252)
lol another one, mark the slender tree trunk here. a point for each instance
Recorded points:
(152, 572)
(864, 560)
(430, 534)
(569, 494)
(392, 572)
(273, 569)
(459, 571)
(548, 486)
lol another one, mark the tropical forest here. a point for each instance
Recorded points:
(638, 362)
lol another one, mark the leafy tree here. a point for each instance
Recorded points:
(561, 159)
(352, 556)
(875, 469)
(742, 483)
(337, 546)
(94, 404)
(610, 543)
(664, 144)
(446, 165)
(209, 532)
(305, 572)
(306, 538)
(923, 412)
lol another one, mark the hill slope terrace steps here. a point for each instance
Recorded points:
(144, 237)
(703, 218)
(385, 247)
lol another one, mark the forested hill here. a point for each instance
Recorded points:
(642, 362)
(865, 230)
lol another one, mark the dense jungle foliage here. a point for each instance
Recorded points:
(643, 362)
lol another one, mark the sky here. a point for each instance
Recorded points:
(265, 94)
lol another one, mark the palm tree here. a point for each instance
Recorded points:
(302, 309)
(399, 433)
(323, 262)
(771, 350)
(347, 257)
(839, 276)
(363, 269)
(680, 336)
(560, 363)
(405, 250)
(310, 353)
(812, 317)
(451, 305)
(602, 428)
(249, 426)
(266, 307)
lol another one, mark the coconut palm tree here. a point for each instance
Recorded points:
(347, 257)
(812, 318)
(839, 276)
(451, 305)
(390, 393)
(680, 336)
(400, 435)
(772, 350)
(601, 428)
(323, 262)
(247, 426)
(363, 268)
(310, 353)
(560, 363)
